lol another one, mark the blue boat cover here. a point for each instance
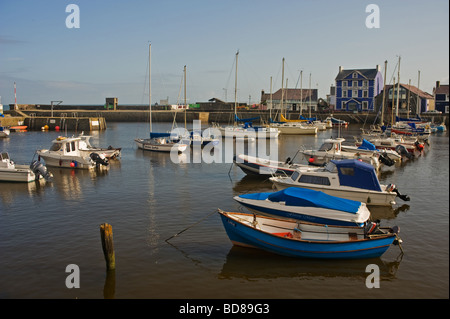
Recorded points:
(355, 173)
(157, 135)
(366, 145)
(237, 119)
(295, 196)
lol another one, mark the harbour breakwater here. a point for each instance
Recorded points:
(87, 120)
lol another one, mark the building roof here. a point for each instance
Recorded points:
(442, 89)
(291, 95)
(413, 90)
(367, 73)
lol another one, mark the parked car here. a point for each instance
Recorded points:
(433, 112)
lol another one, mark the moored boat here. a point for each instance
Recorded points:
(261, 166)
(351, 179)
(12, 172)
(65, 152)
(305, 240)
(307, 205)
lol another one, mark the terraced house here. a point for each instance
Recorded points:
(356, 89)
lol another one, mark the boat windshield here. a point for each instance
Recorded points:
(4, 156)
(326, 147)
(55, 147)
(294, 176)
(331, 167)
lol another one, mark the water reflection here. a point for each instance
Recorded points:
(10, 191)
(250, 264)
(69, 182)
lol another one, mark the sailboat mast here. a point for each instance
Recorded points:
(282, 88)
(398, 88)
(185, 105)
(418, 98)
(301, 91)
(384, 93)
(235, 87)
(150, 83)
(310, 95)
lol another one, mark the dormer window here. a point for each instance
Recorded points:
(355, 75)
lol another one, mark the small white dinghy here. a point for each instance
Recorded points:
(12, 172)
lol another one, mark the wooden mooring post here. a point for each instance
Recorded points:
(108, 246)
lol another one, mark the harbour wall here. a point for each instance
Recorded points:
(83, 119)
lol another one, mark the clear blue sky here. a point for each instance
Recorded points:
(107, 56)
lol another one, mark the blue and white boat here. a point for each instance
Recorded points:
(307, 205)
(296, 239)
(351, 179)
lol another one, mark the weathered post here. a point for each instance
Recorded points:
(108, 246)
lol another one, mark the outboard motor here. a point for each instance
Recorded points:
(99, 159)
(40, 169)
(403, 151)
(384, 158)
(393, 188)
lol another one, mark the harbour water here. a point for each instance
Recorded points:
(147, 199)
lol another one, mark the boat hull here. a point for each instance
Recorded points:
(244, 234)
(21, 173)
(360, 195)
(295, 129)
(249, 133)
(74, 162)
(258, 166)
(149, 145)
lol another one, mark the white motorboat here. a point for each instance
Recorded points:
(12, 172)
(368, 148)
(332, 149)
(351, 179)
(85, 145)
(261, 166)
(65, 152)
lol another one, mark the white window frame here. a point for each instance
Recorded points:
(365, 105)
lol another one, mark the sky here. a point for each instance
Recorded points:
(107, 56)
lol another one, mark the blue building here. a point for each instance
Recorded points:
(441, 97)
(356, 89)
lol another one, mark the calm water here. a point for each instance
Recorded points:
(147, 198)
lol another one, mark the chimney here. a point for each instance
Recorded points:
(438, 84)
(378, 67)
(340, 69)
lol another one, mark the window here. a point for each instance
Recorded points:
(355, 93)
(365, 93)
(355, 84)
(67, 147)
(365, 105)
(312, 179)
(294, 176)
(326, 147)
(355, 75)
(365, 83)
(73, 146)
(55, 147)
(344, 83)
(347, 171)
(344, 93)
